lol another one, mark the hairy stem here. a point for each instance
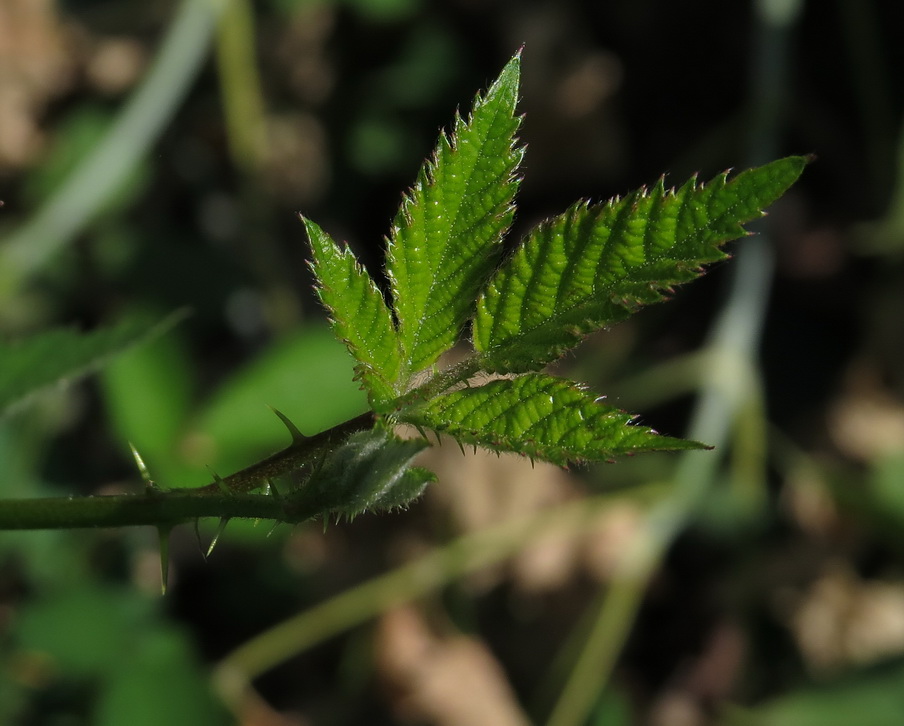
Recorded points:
(228, 497)
(158, 509)
(291, 458)
(442, 381)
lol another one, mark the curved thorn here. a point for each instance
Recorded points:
(216, 538)
(297, 436)
(149, 485)
(164, 533)
(198, 537)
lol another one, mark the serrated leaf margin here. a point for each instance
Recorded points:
(595, 265)
(370, 470)
(542, 417)
(359, 315)
(436, 267)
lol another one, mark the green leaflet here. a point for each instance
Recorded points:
(590, 267)
(359, 315)
(539, 416)
(596, 264)
(371, 470)
(447, 234)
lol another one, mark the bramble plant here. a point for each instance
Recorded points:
(590, 267)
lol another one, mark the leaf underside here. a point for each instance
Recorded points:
(358, 314)
(594, 265)
(370, 471)
(540, 416)
(447, 235)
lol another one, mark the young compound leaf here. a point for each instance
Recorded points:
(447, 235)
(595, 265)
(359, 315)
(371, 470)
(539, 416)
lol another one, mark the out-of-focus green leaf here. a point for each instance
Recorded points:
(376, 143)
(384, 10)
(613, 708)
(423, 71)
(887, 486)
(147, 393)
(143, 671)
(871, 698)
(57, 357)
(86, 631)
(160, 683)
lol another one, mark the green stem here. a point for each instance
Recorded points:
(160, 509)
(227, 497)
(290, 459)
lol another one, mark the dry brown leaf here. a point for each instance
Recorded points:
(842, 620)
(867, 421)
(442, 681)
(35, 65)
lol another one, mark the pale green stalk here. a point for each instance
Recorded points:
(240, 85)
(730, 382)
(109, 165)
(439, 567)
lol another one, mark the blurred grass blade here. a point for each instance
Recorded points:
(60, 356)
(103, 171)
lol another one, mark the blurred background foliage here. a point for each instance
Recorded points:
(153, 157)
